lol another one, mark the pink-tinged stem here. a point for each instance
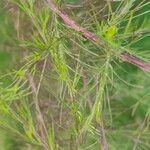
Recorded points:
(71, 23)
(135, 61)
(92, 37)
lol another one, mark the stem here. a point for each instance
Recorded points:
(42, 127)
(92, 37)
(135, 61)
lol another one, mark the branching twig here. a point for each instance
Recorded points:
(92, 37)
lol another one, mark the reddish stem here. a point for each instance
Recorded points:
(92, 37)
(135, 61)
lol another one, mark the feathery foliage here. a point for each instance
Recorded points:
(62, 91)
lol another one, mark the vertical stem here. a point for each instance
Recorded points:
(40, 119)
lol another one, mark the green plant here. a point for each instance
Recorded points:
(73, 89)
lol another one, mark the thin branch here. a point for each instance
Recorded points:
(41, 127)
(41, 123)
(92, 37)
(103, 141)
(41, 77)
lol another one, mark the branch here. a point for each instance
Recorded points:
(135, 61)
(103, 141)
(92, 37)
(71, 23)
